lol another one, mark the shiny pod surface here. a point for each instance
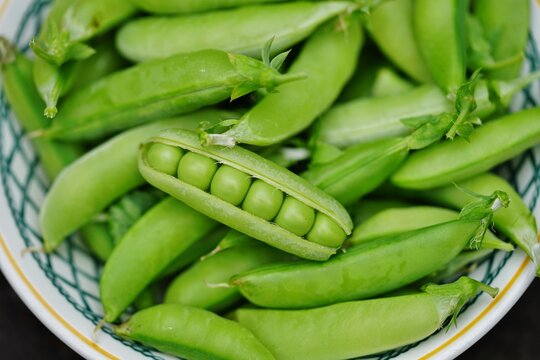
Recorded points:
(248, 29)
(193, 333)
(307, 200)
(364, 271)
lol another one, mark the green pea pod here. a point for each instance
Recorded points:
(388, 82)
(506, 26)
(27, 106)
(248, 29)
(396, 17)
(394, 221)
(105, 173)
(197, 168)
(198, 249)
(193, 287)
(127, 273)
(209, 337)
(104, 62)
(364, 271)
(359, 328)
(370, 207)
(462, 264)
(439, 29)
(160, 88)
(364, 120)
(79, 22)
(359, 170)
(328, 58)
(97, 238)
(491, 144)
(516, 221)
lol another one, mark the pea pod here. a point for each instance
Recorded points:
(328, 58)
(153, 90)
(506, 25)
(97, 238)
(370, 207)
(209, 337)
(359, 328)
(388, 82)
(218, 192)
(77, 23)
(516, 222)
(490, 145)
(394, 221)
(439, 28)
(364, 120)
(462, 264)
(248, 29)
(27, 106)
(396, 17)
(364, 271)
(359, 170)
(127, 273)
(106, 173)
(193, 287)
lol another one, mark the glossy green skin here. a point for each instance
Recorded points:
(462, 264)
(97, 238)
(234, 217)
(248, 29)
(192, 6)
(27, 106)
(359, 170)
(387, 20)
(200, 248)
(365, 271)
(372, 206)
(230, 185)
(263, 200)
(191, 286)
(104, 62)
(352, 329)
(326, 232)
(153, 90)
(88, 18)
(388, 82)
(295, 216)
(105, 173)
(209, 337)
(516, 222)
(398, 220)
(127, 272)
(439, 29)
(450, 161)
(165, 158)
(364, 120)
(506, 25)
(328, 58)
(195, 169)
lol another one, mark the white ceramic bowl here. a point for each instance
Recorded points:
(62, 289)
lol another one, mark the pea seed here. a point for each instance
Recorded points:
(230, 184)
(295, 216)
(197, 170)
(164, 158)
(326, 232)
(263, 200)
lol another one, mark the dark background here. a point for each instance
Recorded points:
(22, 336)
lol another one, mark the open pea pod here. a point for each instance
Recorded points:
(299, 218)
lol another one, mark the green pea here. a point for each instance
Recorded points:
(263, 200)
(326, 232)
(230, 184)
(197, 170)
(295, 216)
(164, 158)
